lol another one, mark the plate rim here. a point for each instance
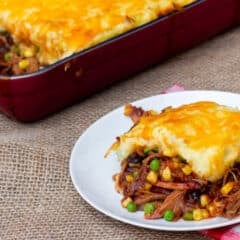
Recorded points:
(129, 221)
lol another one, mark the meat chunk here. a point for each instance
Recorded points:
(174, 201)
(11, 57)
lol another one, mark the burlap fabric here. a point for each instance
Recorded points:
(37, 198)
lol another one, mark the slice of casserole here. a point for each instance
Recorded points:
(181, 163)
(60, 28)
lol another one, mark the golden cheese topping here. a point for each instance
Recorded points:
(205, 134)
(60, 28)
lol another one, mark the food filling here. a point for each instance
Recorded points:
(166, 186)
(16, 59)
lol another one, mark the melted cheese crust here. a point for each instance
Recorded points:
(61, 28)
(205, 134)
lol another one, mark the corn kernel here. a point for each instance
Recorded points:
(7, 56)
(205, 213)
(23, 64)
(204, 200)
(176, 163)
(227, 188)
(126, 201)
(199, 214)
(28, 53)
(166, 174)
(212, 210)
(129, 178)
(152, 177)
(168, 152)
(187, 170)
(147, 186)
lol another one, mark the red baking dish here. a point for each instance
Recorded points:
(33, 96)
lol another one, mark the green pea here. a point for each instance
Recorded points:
(135, 173)
(146, 151)
(132, 207)
(149, 208)
(188, 216)
(168, 215)
(7, 56)
(155, 164)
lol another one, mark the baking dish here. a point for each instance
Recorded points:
(33, 96)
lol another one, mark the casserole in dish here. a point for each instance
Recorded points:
(50, 31)
(28, 97)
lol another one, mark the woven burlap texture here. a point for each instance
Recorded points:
(37, 198)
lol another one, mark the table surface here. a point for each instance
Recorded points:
(37, 198)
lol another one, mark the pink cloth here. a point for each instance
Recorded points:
(174, 88)
(226, 233)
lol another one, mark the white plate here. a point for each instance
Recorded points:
(92, 174)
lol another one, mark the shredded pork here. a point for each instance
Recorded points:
(12, 59)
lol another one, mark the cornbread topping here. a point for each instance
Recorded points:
(52, 30)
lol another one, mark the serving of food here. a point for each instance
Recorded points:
(183, 162)
(166, 162)
(36, 34)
